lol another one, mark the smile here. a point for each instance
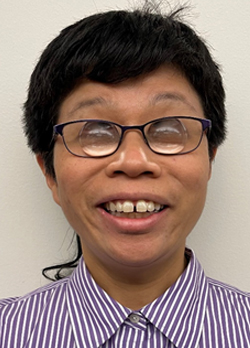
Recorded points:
(129, 209)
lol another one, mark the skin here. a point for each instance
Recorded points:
(134, 260)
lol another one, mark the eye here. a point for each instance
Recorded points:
(168, 135)
(97, 138)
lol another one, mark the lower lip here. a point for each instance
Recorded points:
(131, 225)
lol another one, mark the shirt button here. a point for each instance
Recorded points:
(134, 318)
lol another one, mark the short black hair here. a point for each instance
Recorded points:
(111, 47)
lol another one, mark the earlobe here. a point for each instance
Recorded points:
(213, 154)
(40, 162)
(50, 180)
(212, 157)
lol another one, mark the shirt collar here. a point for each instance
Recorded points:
(178, 313)
(94, 315)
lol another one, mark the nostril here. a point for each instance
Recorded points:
(133, 161)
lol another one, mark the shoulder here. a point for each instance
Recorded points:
(227, 319)
(44, 291)
(228, 298)
(32, 303)
(220, 287)
(24, 319)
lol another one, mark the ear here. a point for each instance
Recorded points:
(212, 157)
(51, 181)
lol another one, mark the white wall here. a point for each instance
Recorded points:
(33, 231)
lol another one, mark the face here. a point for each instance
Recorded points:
(86, 188)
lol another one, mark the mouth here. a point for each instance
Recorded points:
(133, 210)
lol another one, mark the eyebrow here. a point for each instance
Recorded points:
(171, 96)
(156, 99)
(87, 103)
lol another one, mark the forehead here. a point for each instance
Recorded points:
(165, 88)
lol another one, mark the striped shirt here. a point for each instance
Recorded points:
(195, 312)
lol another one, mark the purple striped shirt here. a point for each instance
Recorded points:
(195, 312)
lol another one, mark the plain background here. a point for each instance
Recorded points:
(33, 231)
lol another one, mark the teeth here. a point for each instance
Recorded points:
(118, 207)
(112, 206)
(151, 206)
(128, 207)
(141, 206)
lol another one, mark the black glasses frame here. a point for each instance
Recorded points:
(206, 125)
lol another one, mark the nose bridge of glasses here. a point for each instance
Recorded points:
(139, 129)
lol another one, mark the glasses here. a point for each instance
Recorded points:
(173, 135)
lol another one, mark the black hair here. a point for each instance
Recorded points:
(62, 270)
(110, 48)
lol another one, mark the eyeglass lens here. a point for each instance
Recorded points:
(170, 135)
(99, 138)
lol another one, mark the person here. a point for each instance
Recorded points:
(125, 112)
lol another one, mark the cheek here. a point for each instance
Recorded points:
(196, 186)
(70, 195)
(76, 181)
(67, 178)
(192, 172)
(191, 182)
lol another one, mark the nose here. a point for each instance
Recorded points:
(134, 158)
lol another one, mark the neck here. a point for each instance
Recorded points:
(135, 287)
